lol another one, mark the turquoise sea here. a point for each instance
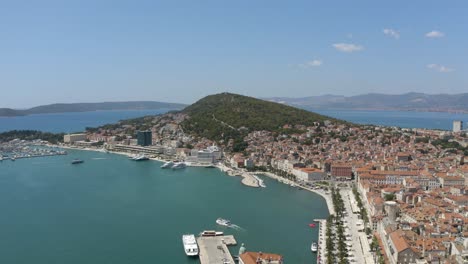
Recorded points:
(113, 210)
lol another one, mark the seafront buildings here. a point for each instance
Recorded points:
(413, 182)
(144, 138)
(457, 126)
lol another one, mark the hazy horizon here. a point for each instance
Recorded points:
(88, 51)
(260, 97)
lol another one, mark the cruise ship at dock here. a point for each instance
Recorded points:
(140, 157)
(167, 165)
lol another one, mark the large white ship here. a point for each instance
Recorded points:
(190, 245)
(140, 157)
(179, 165)
(167, 165)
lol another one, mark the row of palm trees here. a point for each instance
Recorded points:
(378, 257)
(282, 173)
(362, 212)
(337, 251)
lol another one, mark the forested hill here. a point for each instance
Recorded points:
(87, 107)
(225, 115)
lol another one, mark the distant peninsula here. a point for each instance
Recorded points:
(88, 107)
(375, 101)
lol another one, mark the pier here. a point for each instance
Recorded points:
(321, 252)
(214, 250)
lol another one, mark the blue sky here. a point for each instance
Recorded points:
(180, 51)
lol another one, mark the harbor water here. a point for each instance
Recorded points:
(113, 210)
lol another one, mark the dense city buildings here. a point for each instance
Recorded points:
(413, 181)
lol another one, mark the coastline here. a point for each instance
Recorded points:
(247, 177)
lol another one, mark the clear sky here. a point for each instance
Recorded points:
(180, 51)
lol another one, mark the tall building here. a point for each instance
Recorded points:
(144, 138)
(71, 138)
(457, 126)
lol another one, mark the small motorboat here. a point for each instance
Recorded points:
(313, 247)
(223, 222)
(77, 161)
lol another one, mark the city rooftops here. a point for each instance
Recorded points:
(260, 258)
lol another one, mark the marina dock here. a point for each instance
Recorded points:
(214, 250)
(322, 240)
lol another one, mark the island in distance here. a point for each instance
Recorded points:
(88, 107)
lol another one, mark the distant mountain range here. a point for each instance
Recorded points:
(87, 107)
(375, 101)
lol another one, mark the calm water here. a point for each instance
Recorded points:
(70, 122)
(114, 210)
(405, 119)
(73, 122)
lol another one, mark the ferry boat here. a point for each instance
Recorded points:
(167, 165)
(313, 247)
(223, 222)
(190, 245)
(77, 161)
(179, 165)
(140, 158)
(211, 233)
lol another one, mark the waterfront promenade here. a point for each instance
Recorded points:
(360, 246)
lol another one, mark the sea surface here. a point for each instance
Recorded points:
(113, 210)
(404, 119)
(71, 122)
(75, 122)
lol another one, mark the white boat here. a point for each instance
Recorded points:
(179, 165)
(190, 245)
(167, 165)
(211, 233)
(260, 181)
(140, 157)
(313, 247)
(223, 222)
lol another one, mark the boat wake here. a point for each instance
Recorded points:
(99, 158)
(236, 227)
(227, 223)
